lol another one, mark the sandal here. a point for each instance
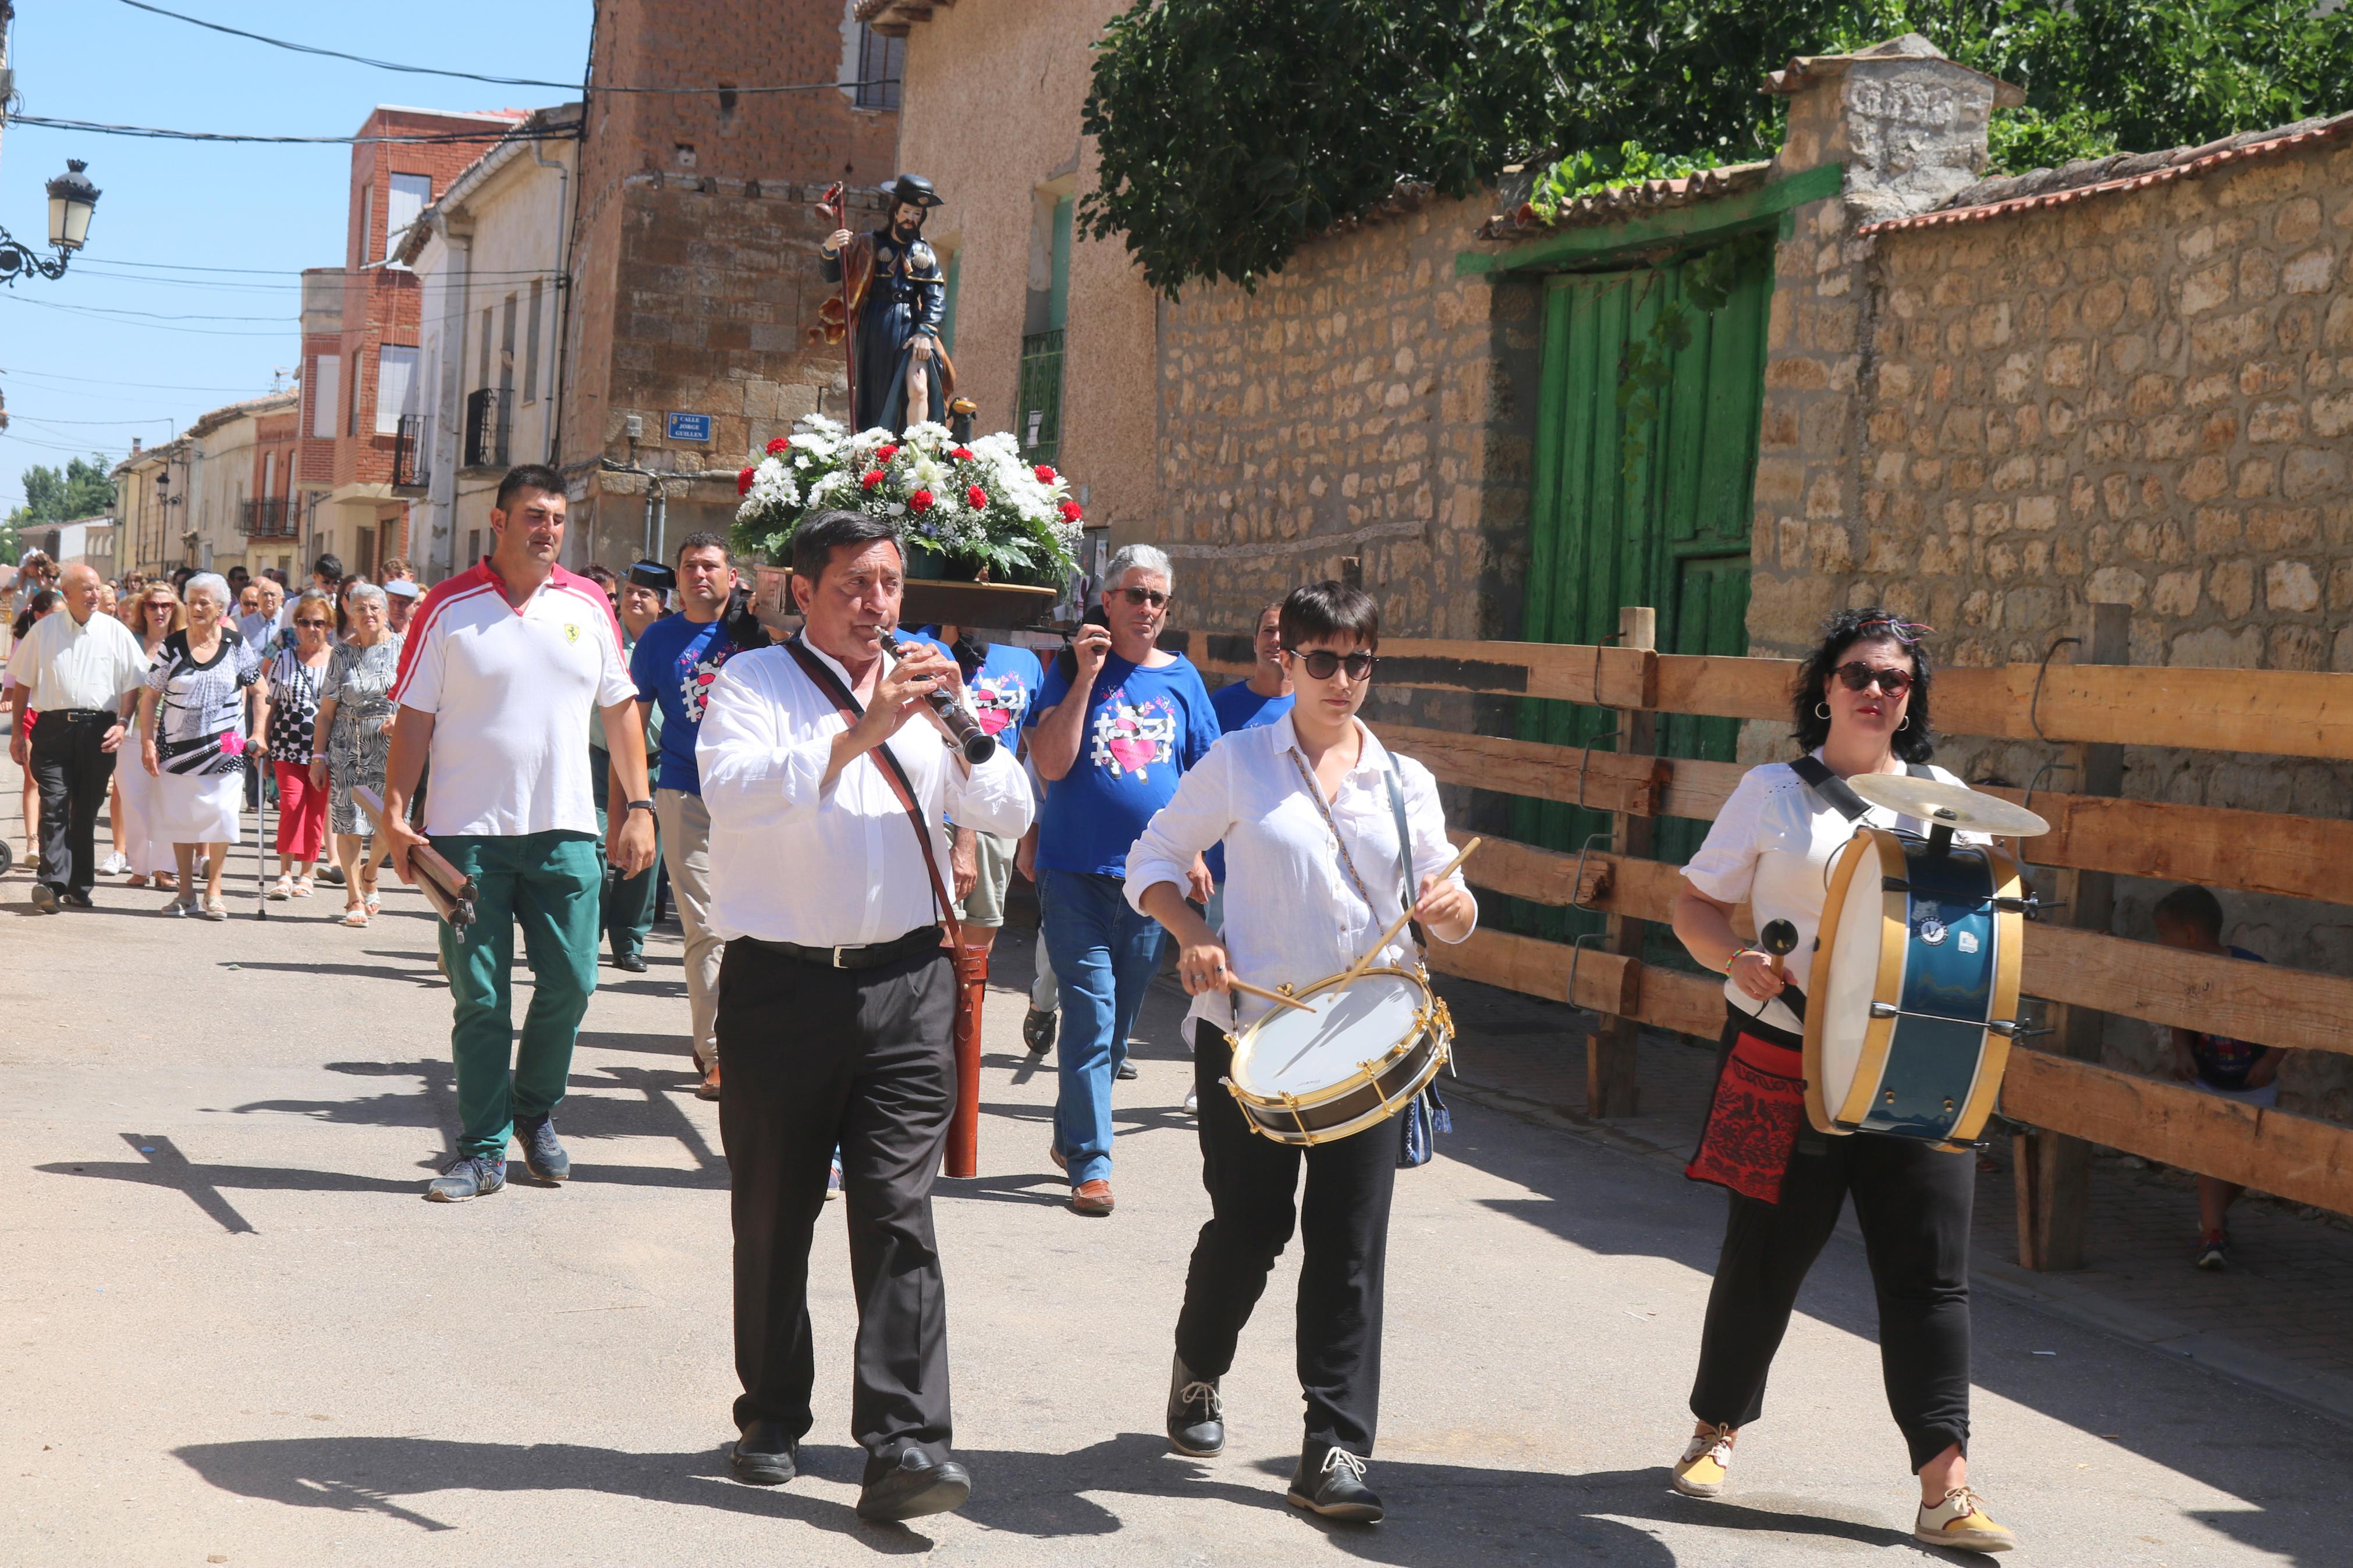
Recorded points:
(303, 886)
(354, 917)
(167, 883)
(138, 881)
(281, 890)
(213, 909)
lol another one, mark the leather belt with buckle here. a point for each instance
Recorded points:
(873, 955)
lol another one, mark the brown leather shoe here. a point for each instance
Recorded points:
(710, 1086)
(1091, 1197)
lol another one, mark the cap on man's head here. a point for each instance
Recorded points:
(400, 588)
(652, 574)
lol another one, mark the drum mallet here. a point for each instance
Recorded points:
(1780, 938)
(1358, 969)
(1264, 995)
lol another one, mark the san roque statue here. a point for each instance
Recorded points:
(894, 295)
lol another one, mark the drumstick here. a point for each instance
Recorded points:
(1263, 992)
(1399, 923)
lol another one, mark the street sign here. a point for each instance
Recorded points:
(691, 427)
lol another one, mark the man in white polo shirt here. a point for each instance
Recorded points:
(498, 674)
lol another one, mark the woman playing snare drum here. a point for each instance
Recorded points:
(1862, 707)
(1304, 808)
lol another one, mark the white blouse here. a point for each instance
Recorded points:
(1294, 914)
(1771, 847)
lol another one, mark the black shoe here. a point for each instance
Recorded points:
(469, 1176)
(1037, 1031)
(915, 1486)
(764, 1456)
(1331, 1481)
(1125, 1071)
(1196, 1424)
(78, 900)
(45, 898)
(542, 1156)
(630, 962)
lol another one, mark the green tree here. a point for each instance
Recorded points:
(81, 488)
(1230, 131)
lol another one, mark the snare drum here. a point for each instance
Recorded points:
(1913, 1000)
(1358, 1058)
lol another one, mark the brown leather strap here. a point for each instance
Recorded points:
(901, 785)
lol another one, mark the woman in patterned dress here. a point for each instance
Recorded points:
(353, 739)
(192, 741)
(288, 720)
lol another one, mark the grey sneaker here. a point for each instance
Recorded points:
(541, 1155)
(45, 898)
(1197, 1424)
(469, 1176)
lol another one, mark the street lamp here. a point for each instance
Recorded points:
(71, 199)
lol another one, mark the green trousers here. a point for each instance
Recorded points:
(548, 884)
(628, 901)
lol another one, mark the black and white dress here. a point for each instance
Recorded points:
(200, 737)
(359, 681)
(295, 689)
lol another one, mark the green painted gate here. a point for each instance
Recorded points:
(1673, 534)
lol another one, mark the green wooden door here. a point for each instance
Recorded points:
(1670, 531)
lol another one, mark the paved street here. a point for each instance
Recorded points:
(234, 1333)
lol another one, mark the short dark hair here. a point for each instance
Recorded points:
(815, 541)
(1327, 609)
(238, 571)
(331, 567)
(703, 538)
(596, 573)
(272, 572)
(1913, 742)
(2192, 906)
(528, 477)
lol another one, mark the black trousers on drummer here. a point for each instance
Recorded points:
(1913, 1203)
(862, 1058)
(1344, 1224)
(71, 772)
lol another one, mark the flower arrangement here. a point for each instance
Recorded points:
(976, 507)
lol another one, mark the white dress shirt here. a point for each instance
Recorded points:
(791, 861)
(64, 663)
(1294, 914)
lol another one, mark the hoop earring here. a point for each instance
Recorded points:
(1905, 725)
(1821, 710)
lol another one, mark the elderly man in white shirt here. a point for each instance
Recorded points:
(836, 1001)
(71, 670)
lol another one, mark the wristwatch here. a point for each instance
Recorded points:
(645, 806)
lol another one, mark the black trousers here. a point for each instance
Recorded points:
(819, 1056)
(72, 772)
(1344, 1224)
(1913, 1203)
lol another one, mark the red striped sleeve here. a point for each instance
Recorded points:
(437, 599)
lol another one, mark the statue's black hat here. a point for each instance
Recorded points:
(911, 188)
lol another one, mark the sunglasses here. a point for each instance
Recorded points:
(1906, 632)
(1321, 663)
(322, 626)
(1152, 596)
(1858, 676)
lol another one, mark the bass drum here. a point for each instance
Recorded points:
(1355, 1060)
(1913, 999)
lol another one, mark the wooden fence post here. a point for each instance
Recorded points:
(2054, 1173)
(1611, 1055)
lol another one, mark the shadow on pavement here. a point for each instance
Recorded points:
(164, 1165)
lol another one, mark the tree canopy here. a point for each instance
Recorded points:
(81, 488)
(1231, 130)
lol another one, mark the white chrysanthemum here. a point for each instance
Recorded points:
(830, 489)
(929, 436)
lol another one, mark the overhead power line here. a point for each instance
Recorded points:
(109, 380)
(160, 133)
(89, 314)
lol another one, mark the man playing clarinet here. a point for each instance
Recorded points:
(837, 1001)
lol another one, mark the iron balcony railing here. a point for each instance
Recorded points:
(272, 516)
(408, 453)
(1041, 397)
(489, 419)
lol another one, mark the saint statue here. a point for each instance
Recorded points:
(895, 293)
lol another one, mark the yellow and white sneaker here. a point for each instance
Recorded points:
(1707, 1463)
(1961, 1520)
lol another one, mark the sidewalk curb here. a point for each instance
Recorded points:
(2319, 1393)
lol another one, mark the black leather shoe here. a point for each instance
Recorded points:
(916, 1486)
(45, 898)
(1331, 1482)
(1037, 1031)
(630, 962)
(763, 1455)
(1126, 1072)
(541, 1155)
(79, 900)
(1196, 1424)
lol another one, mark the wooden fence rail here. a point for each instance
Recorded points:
(2277, 713)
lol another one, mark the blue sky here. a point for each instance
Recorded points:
(78, 383)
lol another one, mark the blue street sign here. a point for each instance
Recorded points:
(694, 427)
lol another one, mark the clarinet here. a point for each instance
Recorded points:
(976, 743)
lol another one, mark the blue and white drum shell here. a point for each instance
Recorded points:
(1914, 962)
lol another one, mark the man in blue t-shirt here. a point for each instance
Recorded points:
(675, 661)
(1116, 723)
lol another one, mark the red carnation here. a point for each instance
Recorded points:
(872, 479)
(744, 482)
(961, 454)
(1071, 512)
(1045, 475)
(776, 446)
(978, 497)
(920, 501)
(885, 454)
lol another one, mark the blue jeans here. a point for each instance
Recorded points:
(1104, 954)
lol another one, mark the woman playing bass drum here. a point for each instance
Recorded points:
(1308, 808)
(1862, 707)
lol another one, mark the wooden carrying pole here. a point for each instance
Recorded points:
(450, 891)
(1612, 1050)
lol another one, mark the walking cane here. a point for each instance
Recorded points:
(260, 849)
